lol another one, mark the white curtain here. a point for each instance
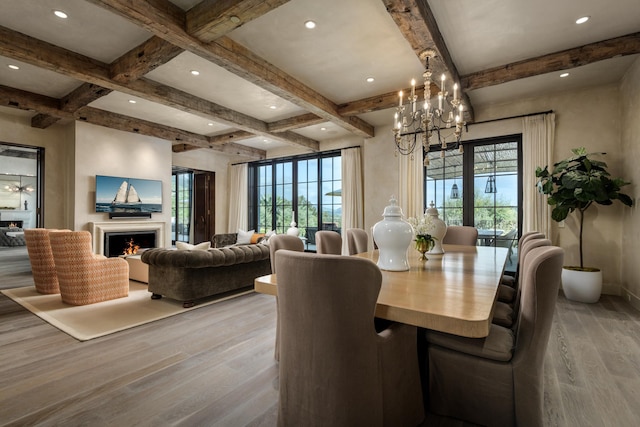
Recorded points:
(238, 198)
(537, 150)
(352, 192)
(410, 188)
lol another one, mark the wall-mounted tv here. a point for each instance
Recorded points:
(131, 195)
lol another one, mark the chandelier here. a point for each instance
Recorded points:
(19, 188)
(438, 125)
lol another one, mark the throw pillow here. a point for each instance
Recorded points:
(244, 237)
(182, 246)
(257, 237)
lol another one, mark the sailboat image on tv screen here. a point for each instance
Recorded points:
(126, 197)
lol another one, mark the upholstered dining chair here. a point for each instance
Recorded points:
(335, 370)
(461, 235)
(499, 380)
(86, 278)
(277, 242)
(43, 267)
(357, 241)
(505, 313)
(328, 242)
(508, 283)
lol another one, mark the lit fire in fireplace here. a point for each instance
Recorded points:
(130, 248)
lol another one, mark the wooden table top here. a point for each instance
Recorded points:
(454, 292)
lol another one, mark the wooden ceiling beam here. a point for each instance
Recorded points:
(143, 59)
(418, 25)
(211, 19)
(224, 52)
(558, 61)
(143, 127)
(54, 58)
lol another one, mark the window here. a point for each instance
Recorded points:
(305, 188)
(480, 187)
(181, 202)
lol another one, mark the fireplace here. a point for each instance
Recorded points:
(127, 242)
(11, 224)
(151, 233)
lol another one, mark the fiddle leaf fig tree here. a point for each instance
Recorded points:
(576, 183)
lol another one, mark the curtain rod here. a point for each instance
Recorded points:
(512, 117)
(291, 157)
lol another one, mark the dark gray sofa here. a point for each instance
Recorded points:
(192, 274)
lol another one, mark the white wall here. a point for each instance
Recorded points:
(630, 151)
(57, 140)
(104, 151)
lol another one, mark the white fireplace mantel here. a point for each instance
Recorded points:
(98, 229)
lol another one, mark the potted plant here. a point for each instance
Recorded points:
(574, 185)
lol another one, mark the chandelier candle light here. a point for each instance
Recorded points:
(409, 121)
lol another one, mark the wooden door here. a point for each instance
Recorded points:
(204, 206)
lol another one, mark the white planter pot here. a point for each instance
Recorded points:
(582, 286)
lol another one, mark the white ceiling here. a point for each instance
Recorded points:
(353, 40)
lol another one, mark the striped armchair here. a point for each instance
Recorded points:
(86, 278)
(41, 258)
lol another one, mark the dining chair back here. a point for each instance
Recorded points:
(498, 380)
(283, 241)
(276, 243)
(357, 241)
(335, 369)
(328, 242)
(461, 235)
(43, 267)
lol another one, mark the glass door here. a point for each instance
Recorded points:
(480, 187)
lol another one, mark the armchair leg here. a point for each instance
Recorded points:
(188, 304)
(156, 296)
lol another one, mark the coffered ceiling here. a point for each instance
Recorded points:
(265, 80)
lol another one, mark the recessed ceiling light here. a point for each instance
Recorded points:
(13, 67)
(266, 141)
(209, 124)
(310, 24)
(564, 75)
(132, 101)
(370, 79)
(195, 72)
(323, 128)
(582, 20)
(60, 14)
(273, 107)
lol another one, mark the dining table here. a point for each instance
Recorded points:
(453, 292)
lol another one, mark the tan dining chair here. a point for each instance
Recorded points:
(277, 242)
(335, 369)
(357, 241)
(461, 235)
(43, 267)
(499, 380)
(328, 242)
(83, 277)
(508, 283)
(505, 313)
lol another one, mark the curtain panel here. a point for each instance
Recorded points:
(411, 183)
(538, 139)
(238, 198)
(352, 192)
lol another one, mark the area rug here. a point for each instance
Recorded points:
(96, 320)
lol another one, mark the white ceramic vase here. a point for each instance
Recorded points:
(438, 230)
(582, 286)
(393, 236)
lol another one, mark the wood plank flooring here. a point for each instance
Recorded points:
(214, 366)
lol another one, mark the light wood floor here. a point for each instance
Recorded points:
(214, 366)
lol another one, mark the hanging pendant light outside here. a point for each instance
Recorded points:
(491, 185)
(455, 193)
